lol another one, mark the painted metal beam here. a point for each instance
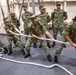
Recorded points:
(33, 6)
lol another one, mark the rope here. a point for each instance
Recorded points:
(36, 64)
(32, 37)
(47, 39)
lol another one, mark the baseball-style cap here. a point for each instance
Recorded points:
(42, 7)
(58, 3)
(24, 6)
(34, 17)
(6, 19)
(12, 14)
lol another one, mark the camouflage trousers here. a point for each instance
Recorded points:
(55, 31)
(47, 27)
(60, 47)
(26, 32)
(47, 38)
(2, 44)
(31, 40)
(16, 38)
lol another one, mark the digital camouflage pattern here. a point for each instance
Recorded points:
(15, 22)
(44, 19)
(26, 19)
(71, 31)
(38, 30)
(58, 21)
(12, 37)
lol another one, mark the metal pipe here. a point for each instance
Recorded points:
(8, 6)
(33, 6)
(39, 2)
(21, 9)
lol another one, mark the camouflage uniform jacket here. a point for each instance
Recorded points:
(38, 30)
(10, 27)
(16, 22)
(71, 31)
(26, 18)
(44, 19)
(58, 17)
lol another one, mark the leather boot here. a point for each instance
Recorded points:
(49, 58)
(35, 45)
(53, 45)
(49, 45)
(64, 45)
(5, 50)
(27, 55)
(23, 52)
(55, 59)
(9, 52)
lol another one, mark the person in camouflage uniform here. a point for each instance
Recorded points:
(37, 30)
(10, 29)
(26, 19)
(16, 22)
(69, 34)
(45, 18)
(58, 16)
(3, 46)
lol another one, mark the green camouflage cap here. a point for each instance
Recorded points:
(12, 14)
(58, 3)
(42, 7)
(34, 17)
(6, 19)
(24, 6)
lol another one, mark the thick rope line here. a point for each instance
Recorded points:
(43, 38)
(47, 39)
(36, 64)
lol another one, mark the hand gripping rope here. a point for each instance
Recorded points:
(32, 37)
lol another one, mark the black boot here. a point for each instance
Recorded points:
(53, 45)
(49, 45)
(34, 45)
(64, 45)
(5, 50)
(55, 59)
(27, 55)
(9, 52)
(23, 52)
(49, 58)
(40, 46)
